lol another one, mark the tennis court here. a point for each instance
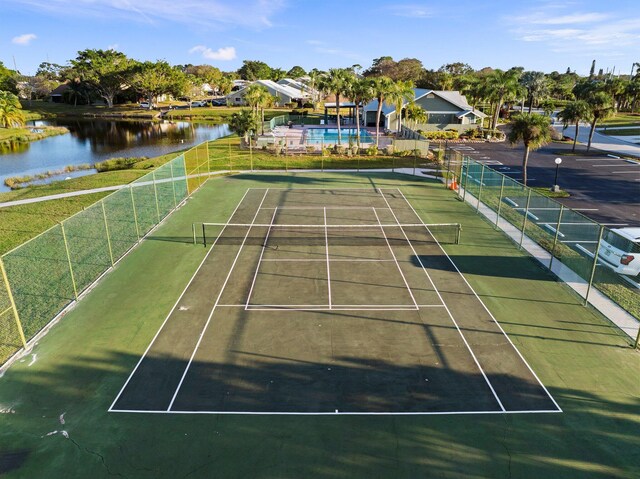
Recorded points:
(330, 301)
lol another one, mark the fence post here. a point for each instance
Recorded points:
(524, 222)
(500, 201)
(593, 266)
(186, 173)
(466, 178)
(555, 239)
(448, 158)
(155, 192)
(195, 150)
(135, 215)
(637, 343)
(250, 154)
(393, 164)
(66, 247)
(206, 147)
(13, 304)
(106, 228)
(173, 186)
(415, 155)
(480, 190)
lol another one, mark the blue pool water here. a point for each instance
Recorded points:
(330, 135)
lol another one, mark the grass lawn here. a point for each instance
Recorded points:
(69, 380)
(622, 119)
(621, 132)
(26, 134)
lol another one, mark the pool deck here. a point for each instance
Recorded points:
(295, 136)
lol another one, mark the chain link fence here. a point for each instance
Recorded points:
(43, 276)
(569, 237)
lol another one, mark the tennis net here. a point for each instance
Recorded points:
(320, 234)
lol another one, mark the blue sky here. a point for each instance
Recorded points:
(538, 35)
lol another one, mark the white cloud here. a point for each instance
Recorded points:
(24, 39)
(113, 46)
(222, 53)
(247, 13)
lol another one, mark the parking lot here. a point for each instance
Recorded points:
(602, 187)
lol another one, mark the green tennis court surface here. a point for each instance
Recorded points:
(330, 301)
(115, 351)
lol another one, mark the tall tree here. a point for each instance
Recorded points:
(253, 70)
(8, 79)
(107, 71)
(153, 79)
(533, 131)
(381, 87)
(416, 114)
(536, 84)
(243, 122)
(11, 114)
(601, 107)
(402, 92)
(337, 81)
(296, 72)
(360, 92)
(501, 85)
(572, 114)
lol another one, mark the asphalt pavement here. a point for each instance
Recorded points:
(602, 187)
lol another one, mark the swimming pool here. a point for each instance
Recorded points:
(330, 135)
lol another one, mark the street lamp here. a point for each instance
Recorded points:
(556, 188)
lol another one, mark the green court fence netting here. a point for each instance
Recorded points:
(568, 236)
(43, 276)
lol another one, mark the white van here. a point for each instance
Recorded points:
(620, 250)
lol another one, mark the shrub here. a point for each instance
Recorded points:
(291, 104)
(388, 150)
(555, 134)
(372, 150)
(113, 164)
(338, 149)
(308, 105)
(441, 135)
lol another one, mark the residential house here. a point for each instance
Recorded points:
(283, 93)
(445, 110)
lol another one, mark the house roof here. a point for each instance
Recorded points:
(59, 90)
(454, 97)
(282, 89)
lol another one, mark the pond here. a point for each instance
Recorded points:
(92, 141)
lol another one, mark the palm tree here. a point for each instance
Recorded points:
(416, 114)
(533, 131)
(337, 81)
(11, 114)
(401, 92)
(501, 85)
(600, 107)
(253, 95)
(381, 87)
(574, 112)
(243, 122)
(536, 84)
(360, 93)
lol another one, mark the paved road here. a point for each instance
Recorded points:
(603, 188)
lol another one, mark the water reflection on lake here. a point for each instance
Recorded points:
(91, 141)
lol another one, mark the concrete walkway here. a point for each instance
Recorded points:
(602, 142)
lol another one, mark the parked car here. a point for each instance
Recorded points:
(145, 104)
(620, 250)
(199, 103)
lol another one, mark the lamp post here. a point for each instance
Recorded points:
(555, 187)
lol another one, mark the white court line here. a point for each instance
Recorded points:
(597, 159)
(175, 305)
(354, 307)
(495, 395)
(339, 260)
(341, 413)
(264, 246)
(326, 242)
(626, 172)
(334, 308)
(195, 350)
(615, 166)
(487, 310)
(320, 207)
(396, 260)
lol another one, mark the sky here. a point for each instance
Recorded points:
(538, 35)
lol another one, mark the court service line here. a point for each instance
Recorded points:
(340, 413)
(264, 246)
(339, 260)
(487, 310)
(363, 307)
(326, 242)
(175, 305)
(475, 359)
(396, 260)
(235, 260)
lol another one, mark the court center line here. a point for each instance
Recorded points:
(475, 359)
(340, 413)
(396, 260)
(326, 242)
(176, 304)
(195, 350)
(264, 247)
(486, 309)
